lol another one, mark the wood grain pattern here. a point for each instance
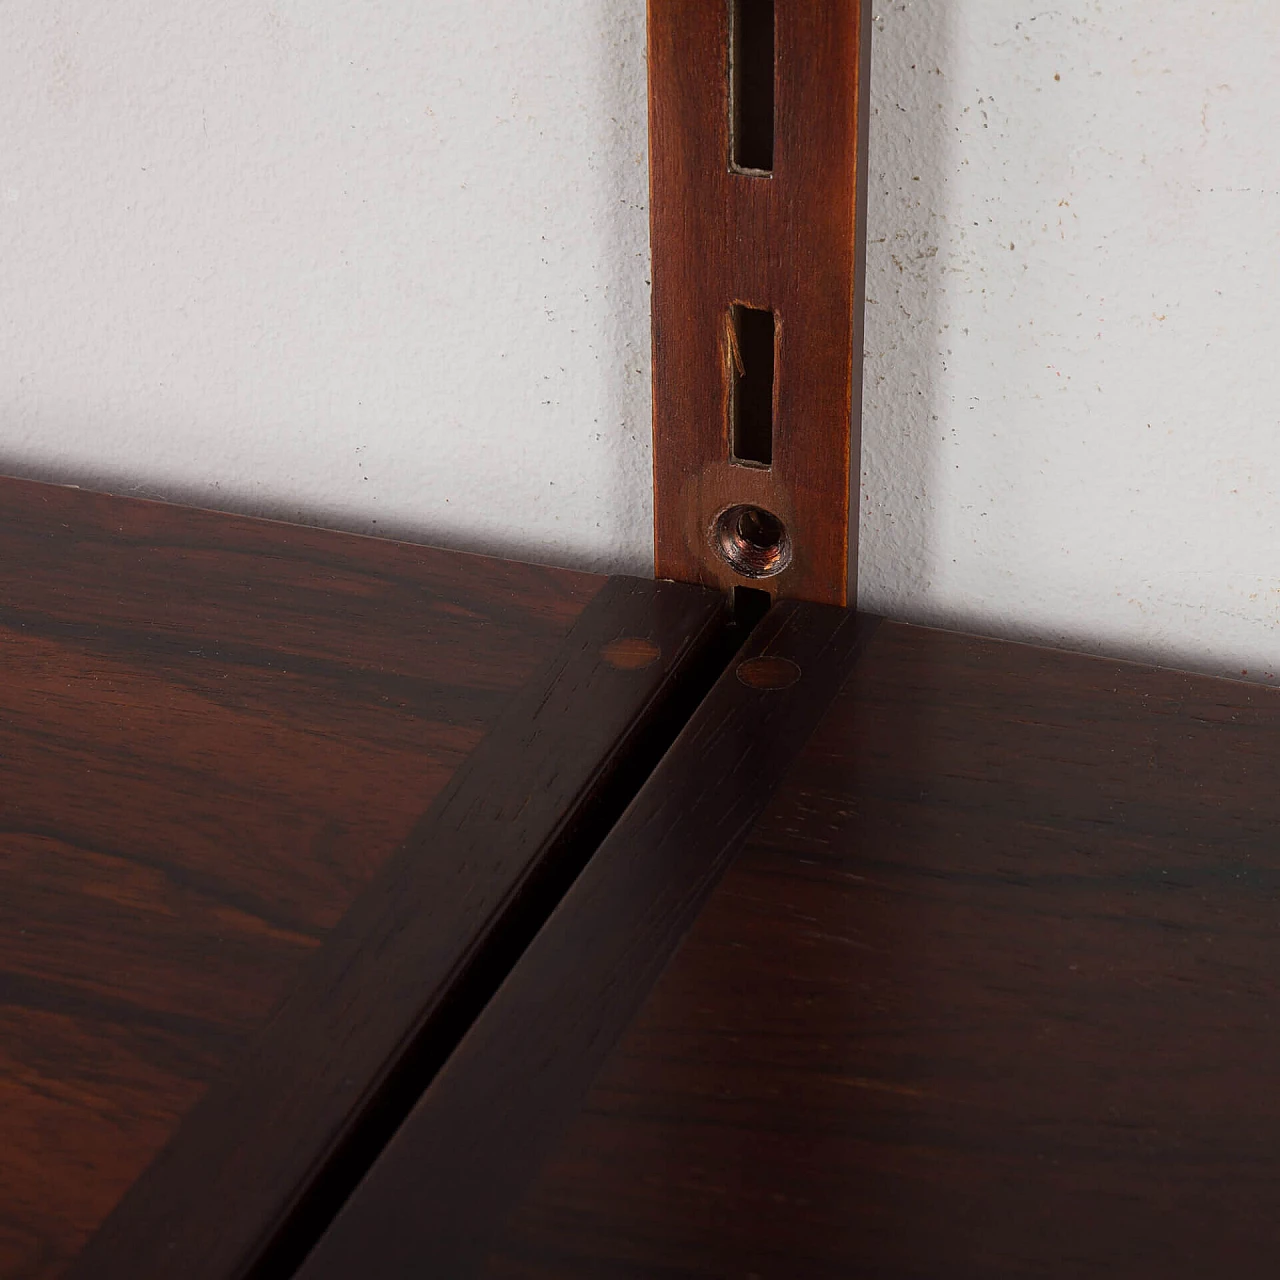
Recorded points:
(254, 1173)
(991, 991)
(791, 243)
(216, 736)
(988, 989)
(437, 1194)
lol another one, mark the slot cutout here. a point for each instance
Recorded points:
(751, 63)
(752, 345)
(749, 605)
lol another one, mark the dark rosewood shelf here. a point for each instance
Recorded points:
(988, 986)
(276, 807)
(916, 954)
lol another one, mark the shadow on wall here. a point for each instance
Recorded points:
(1069, 425)
(214, 497)
(626, 407)
(910, 158)
(366, 268)
(125, 483)
(580, 251)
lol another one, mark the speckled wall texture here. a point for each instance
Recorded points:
(383, 266)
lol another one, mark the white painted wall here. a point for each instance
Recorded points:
(378, 264)
(1072, 395)
(383, 266)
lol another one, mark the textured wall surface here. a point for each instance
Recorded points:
(1072, 386)
(379, 264)
(384, 266)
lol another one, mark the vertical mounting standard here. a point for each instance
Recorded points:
(757, 137)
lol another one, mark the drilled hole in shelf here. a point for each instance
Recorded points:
(752, 541)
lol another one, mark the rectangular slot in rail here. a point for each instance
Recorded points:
(751, 92)
(752, 342)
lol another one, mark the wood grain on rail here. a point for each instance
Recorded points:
(789, 242)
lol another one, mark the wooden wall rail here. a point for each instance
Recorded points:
(757, 134)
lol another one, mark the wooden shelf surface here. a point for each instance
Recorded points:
(269, 799)
(988, 986)
(916, 954)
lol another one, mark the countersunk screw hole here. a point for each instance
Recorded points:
(752, 541)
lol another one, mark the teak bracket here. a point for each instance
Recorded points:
(757, 138)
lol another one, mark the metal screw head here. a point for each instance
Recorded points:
(752, 541)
